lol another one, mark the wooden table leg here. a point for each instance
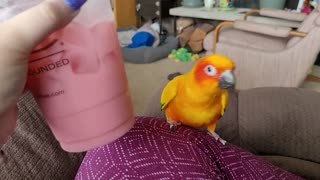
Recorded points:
(313, 78)
(175, 25)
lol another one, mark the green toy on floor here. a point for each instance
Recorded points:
(182, 55)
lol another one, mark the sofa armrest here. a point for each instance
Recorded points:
(276, 13)
(276, 31)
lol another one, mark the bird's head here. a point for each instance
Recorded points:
(214, 71)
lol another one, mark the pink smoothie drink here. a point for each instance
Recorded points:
(78, 79)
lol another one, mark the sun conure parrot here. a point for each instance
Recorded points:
(199, 97)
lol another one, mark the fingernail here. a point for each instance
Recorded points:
(75, 4)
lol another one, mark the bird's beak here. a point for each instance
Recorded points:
(227, 79)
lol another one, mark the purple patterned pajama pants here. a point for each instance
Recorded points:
(151, 151)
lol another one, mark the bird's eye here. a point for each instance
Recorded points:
(210, 70)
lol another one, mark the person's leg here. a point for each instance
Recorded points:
(237, 163)
(150, 150)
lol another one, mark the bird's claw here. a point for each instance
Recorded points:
(173, 124)
(173, 127)
(217, 137)
(222, 141)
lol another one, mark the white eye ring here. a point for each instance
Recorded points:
(210, 70)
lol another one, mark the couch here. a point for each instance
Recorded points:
(279, 124)
(32, 152)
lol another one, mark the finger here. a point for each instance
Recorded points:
(27, 29)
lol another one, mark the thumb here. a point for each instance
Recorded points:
(27, 29)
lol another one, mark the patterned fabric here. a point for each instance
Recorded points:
(151, 151)
(32, 152)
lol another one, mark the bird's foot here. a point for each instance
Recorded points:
(217, 137)
(173, 124)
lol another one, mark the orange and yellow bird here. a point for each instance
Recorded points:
(199, 97)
